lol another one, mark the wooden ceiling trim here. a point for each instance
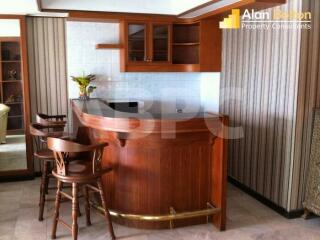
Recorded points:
(39, 5)
(241, 4)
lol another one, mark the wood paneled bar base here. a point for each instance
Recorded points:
(164, 164)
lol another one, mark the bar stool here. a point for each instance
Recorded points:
(83, 172)
(40, 134)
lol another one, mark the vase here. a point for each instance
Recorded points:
(83, 96)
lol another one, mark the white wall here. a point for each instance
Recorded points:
(9, 28)
(165, 91)
(209, 91)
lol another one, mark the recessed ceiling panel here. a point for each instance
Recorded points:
(173, 7)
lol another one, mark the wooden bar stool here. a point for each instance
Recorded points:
(40, 134)
(78, 173)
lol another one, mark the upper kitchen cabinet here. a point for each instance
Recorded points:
(171, 47)
(145, 45)
(160, 44)
(137, 42)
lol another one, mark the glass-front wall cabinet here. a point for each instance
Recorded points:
(160, 46)
(148, 42)
(137, 42)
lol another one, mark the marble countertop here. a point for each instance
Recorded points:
(99, 107)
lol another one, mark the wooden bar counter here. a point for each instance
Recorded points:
(169, 169)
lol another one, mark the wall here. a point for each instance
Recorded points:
(259, 92)
(164, 90)
(9, 28)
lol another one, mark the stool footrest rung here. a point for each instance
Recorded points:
(66, 195)
(66, 225)
(93, 188)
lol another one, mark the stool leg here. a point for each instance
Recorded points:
(104, 205)
(56, 211)
(75, 211)
(47, 177)
(79, 211)
(40, 190)
(43, 191)
(87, 206)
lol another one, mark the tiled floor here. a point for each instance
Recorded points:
(247, 220)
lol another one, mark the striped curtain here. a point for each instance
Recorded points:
(47, 65)
(308, 100)
(261, 69)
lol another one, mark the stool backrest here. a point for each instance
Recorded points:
(40, 134)
(63, 148)
(52, 120)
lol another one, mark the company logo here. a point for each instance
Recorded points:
(261, 20)
(232, 21)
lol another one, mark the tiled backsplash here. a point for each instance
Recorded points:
(165, 91)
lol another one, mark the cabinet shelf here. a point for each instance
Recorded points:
(136, 39)
(14, 103)
(15, 116)
(132, 50)
(186, 44)
(11, 81)
(10, 61)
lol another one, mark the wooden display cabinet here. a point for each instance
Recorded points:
(145, 44)
(14, 92)
(11, 84)
(170, 47)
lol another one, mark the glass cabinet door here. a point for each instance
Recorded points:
(137, 42)
(160, 43)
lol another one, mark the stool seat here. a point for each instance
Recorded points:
(80, 171)
(46, 154)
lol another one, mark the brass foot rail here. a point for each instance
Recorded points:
(211, 210)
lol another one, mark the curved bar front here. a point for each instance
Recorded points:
(169, 169)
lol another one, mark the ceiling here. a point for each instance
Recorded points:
(172, 7)
(18, 7)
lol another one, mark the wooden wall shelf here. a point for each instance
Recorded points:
(108, 46)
